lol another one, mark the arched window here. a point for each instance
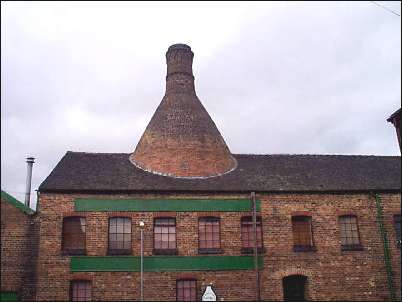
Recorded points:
(247, 235)
(302, 234)
(294, 288)
(80, 290)
(119, 236)
(349, 231)
(186, 290)
(73, 236)
(397, 225)
(165, 236)
(209, 239)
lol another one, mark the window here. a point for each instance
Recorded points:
(73, 236)
(186, 290)
(397, 224)
(302, 234)
(209, 235)
(247, 235)
(349, 233)
(165, 236)
(80, 291)
(119, 236)
(294, 288)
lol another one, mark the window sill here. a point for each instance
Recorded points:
(118, 252)
(165, 251)
(250, 250)
(352, 247)
(210, 251)
(74, 252)
(304, 248)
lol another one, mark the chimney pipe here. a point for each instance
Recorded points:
(30, 161)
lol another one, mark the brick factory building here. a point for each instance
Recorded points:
(327, 226)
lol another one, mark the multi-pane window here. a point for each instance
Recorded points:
(397, 224)
(119, 236)
(302, 233)
(209, 234)
(165, 236)
(247, 234)
(80, 290)
(73, 237)
(349, 232)
(186, 290)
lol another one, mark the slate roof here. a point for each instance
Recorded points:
(113, 172)
(396, 114)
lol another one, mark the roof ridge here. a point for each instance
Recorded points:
(256, 154)
(311, 155)
(98, 153)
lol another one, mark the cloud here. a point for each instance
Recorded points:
(276, 77)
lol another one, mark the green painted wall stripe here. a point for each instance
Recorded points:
(164, 205)
(8, 296)
(16, 203)
(162, 263)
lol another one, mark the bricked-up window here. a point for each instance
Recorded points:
(119, 236)
(349, 233)
(209, 240)
(294, 288)
(397, 224)
(80, 291)
(165, 236)
(247, 234)
(186, 290)
(73, 237)
(302, 234)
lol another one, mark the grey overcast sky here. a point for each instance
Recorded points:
(276, 77)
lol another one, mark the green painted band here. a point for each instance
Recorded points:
(8, 296)
(164, 205)
(162, 263)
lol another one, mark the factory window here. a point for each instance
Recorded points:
(397, 224)
(80, 290)
(73, 236)
(247, 234)
(294, 288)
(349, 233)
(209, 240)
(165, 236)
(302, 234)
(186, 290)
(119, 236)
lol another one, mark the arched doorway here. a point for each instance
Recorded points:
(294, 288)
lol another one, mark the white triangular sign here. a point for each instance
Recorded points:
(209, 294)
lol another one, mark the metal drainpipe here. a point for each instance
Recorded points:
(37, 200)
(387, 254)
(257, 272)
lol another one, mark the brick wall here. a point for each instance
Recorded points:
(332, 274)
(18, 251)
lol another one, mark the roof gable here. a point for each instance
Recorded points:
(16, 203)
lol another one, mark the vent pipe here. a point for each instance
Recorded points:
(30, 161)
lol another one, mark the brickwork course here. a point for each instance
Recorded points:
(183, 169)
